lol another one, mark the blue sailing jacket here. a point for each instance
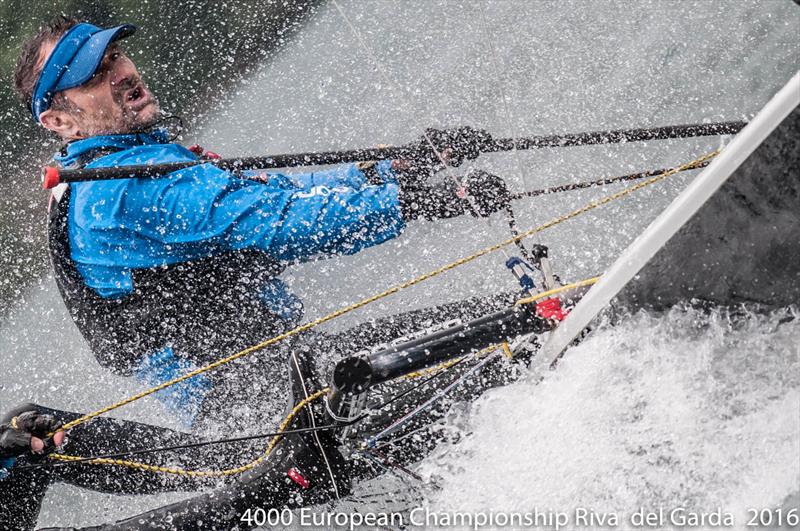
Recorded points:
(117, 226)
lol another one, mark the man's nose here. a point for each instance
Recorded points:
(122, 74)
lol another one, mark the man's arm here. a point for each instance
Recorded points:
(203, 210)
(351, 175)
(291, 223)
(119, 226)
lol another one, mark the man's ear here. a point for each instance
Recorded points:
(61, 123)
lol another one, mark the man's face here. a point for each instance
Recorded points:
(114, 101)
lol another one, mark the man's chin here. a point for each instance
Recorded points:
(146, 115)
(140, 119)
(130, 121)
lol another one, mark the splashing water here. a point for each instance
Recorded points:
(683, 410)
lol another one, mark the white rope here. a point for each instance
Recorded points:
(441, 393)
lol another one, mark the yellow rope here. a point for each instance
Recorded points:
(338, 313)
(554, 291)
(433, 370)
(203, 473)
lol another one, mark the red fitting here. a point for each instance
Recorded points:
(50, 177)
(551, 309)
(197, 149)
(298, 478)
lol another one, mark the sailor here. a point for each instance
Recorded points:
(164, 275)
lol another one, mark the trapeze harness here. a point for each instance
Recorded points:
(198, 307)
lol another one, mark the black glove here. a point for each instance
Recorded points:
(446, 200)
(455, 145)
(489, 193)
(15, 437)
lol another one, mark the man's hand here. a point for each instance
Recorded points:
(488, 193)
(29, 432)
(481, 194)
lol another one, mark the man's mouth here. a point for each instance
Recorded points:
(138, 97)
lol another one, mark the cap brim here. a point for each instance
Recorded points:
(88, 59)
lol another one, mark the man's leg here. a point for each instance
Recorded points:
(21, 493)
(108, 436)
(251, 395)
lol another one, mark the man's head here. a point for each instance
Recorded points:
(79, 83)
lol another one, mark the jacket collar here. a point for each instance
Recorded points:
(78, 150)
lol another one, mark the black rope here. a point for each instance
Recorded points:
(512, 225)
(601, 182)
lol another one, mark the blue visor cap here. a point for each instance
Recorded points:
(74, 61)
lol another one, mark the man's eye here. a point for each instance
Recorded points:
(115, 55)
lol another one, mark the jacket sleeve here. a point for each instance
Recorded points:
(202, 209)
(345, 175)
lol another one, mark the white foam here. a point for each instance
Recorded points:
(682, 410)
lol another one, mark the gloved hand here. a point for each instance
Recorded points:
(454, 145)
(28, 432)
(489, 193)
(446, 200)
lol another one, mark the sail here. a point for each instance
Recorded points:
(730, 236)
